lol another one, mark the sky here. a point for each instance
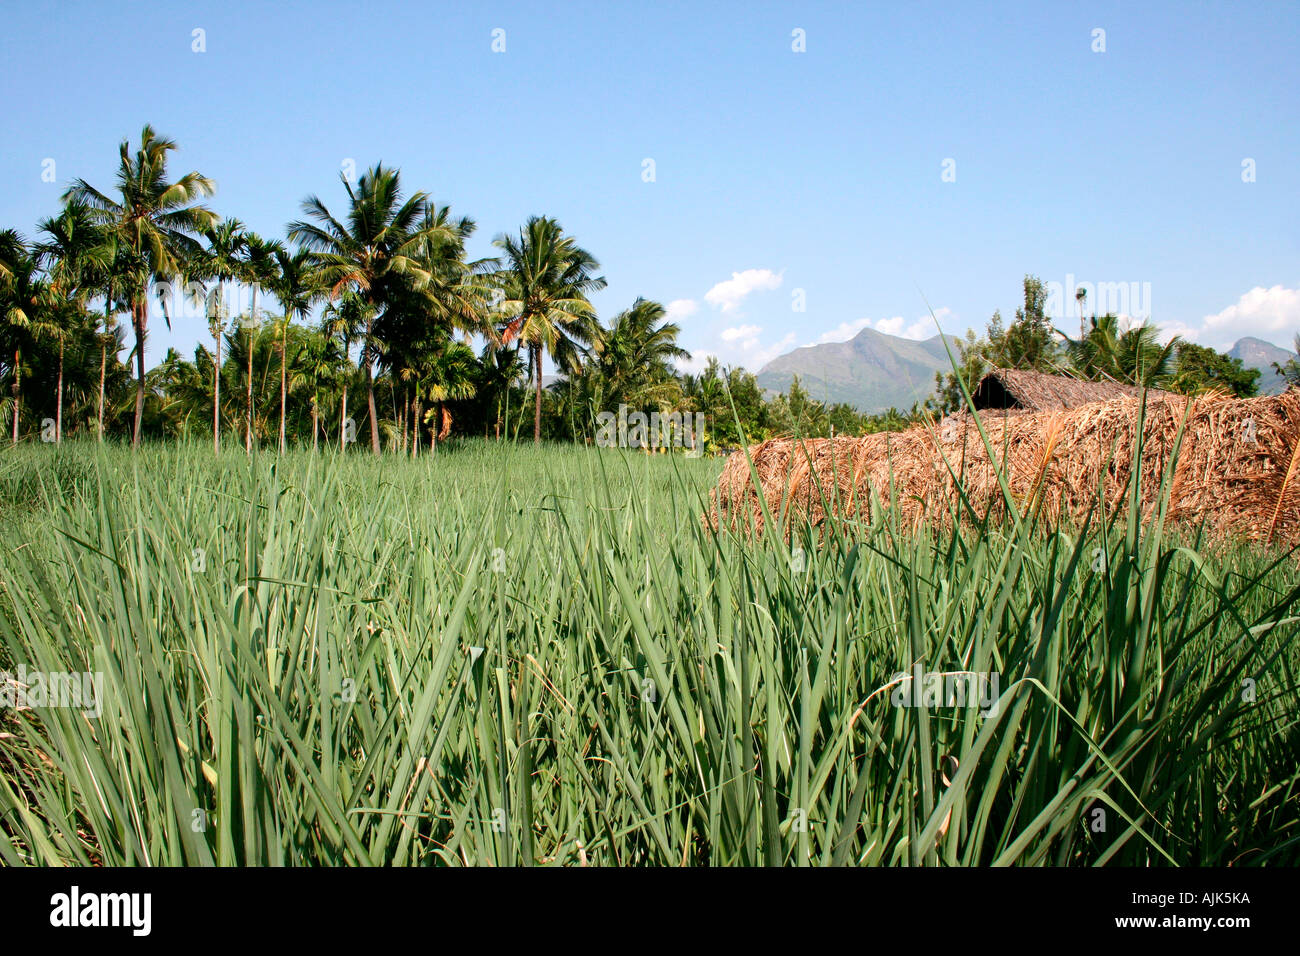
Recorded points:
(777, 174)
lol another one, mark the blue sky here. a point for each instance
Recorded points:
(780, 177)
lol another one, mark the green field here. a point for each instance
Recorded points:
(507, 655)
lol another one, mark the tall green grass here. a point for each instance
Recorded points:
(502, 655)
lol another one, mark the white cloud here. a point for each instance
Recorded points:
(696, 363)
(844, 331)
(1262, 312)
(1270, 314)
(728, 295)
(742, 346)
(922, 328)
(925, 328)
(755, 357)
(748, 332)
(680, 309)
(1167, 330)
(892, 326)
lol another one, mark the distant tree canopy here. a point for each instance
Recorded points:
(1198, 368)
(1290, 370)
(1028, 342)
(1106, 350)
(372, 314)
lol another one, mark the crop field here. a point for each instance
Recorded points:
(505, 655)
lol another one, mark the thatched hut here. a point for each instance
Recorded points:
(1040, 392)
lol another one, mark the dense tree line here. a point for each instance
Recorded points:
(1106, 349)
(369, 324)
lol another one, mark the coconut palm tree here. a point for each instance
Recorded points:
(156, 223)
(296, 285)
(113, 287)
(633, 359)
(372, 253)
(15, 270)
(458, 293)
(81, 333)
(448, 375)
(1142, 360)
(441, 370)
(499, 370)
(1132, 356)
(343, 320)
(76, 257)
(258, 270)
(252, 356)
(13, 250)
(111, 339)
(1092, 355)
(418, 324)
(26, 304)
(322, 360)
(186, 387)
(545, 278)
(222, 262)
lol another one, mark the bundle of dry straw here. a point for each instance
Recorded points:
(1237, 470)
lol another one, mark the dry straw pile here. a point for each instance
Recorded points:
(1237, 471)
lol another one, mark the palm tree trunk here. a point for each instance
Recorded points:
(18, 358)
(415, 437)
(537, 408)
(103, 356)
(343, 418)
(399, 420)
(370, 394)
(284, 348)
(218, 327)
(58, 412)
(248, 429)
(103, 363)
(343, 413)
(216, 395)
(140, 319)
(315, 422)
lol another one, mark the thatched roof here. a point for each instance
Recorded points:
(1014, 388)
(1237, 472)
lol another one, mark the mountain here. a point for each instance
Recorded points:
(1256, 353)
(872, 371)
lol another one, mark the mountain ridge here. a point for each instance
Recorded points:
(1258, 353)
(875, 371)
